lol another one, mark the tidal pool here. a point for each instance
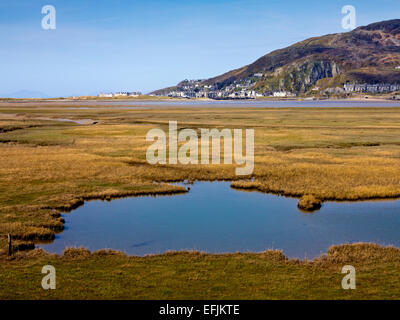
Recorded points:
(215, 218)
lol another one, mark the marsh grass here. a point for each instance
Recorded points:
(309, 203)
(332, 153)
(48, 167)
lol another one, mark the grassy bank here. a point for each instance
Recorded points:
(193, 275)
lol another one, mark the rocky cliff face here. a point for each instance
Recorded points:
(299, 76)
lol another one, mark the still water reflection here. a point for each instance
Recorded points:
(213, 217)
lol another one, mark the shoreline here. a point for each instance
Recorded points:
(109, 251)
(198, 276)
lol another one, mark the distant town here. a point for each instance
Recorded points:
(245, 89)
(119, 94)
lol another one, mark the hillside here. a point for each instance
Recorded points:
(368, 54)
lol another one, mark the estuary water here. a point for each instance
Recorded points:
(215, 218)
(188, 103)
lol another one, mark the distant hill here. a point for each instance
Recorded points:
(368, 54)
(25, 94)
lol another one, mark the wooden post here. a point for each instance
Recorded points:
(10, 249)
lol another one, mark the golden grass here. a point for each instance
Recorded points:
(309, 203)
(331, 153)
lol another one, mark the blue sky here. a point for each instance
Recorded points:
(145, 45)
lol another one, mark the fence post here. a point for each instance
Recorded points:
(10, 249)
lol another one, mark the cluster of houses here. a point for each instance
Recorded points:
(226, 94)
(242, 94)
(187, 94)
(215, 94)
(241, 89)
(246, 89)
(119, 94)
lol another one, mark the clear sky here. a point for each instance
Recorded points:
(122, 45)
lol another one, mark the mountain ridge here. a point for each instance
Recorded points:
(367, 54)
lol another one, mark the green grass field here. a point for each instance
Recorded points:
(192, 275)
